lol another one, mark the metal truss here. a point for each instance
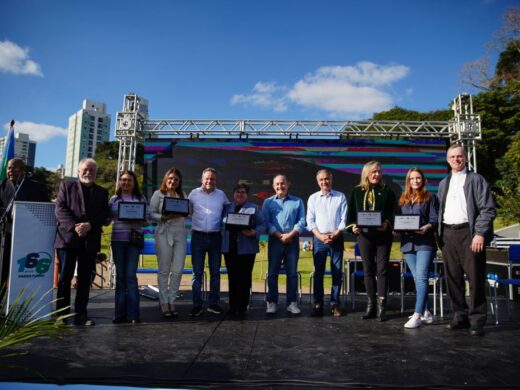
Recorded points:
(133, 126)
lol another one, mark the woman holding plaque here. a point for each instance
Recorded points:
(170, 239)
(371, 208)
(243, 223)
(418, 245)
(128, 211)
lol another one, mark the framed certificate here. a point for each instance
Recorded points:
(131, 211)
(175, 206)
(239, 221)
(407, 222)
(369, 219)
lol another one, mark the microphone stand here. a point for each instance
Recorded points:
(4, 222)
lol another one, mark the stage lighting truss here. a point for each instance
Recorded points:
(133, 126)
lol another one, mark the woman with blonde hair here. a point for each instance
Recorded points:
(419, 246)
(170, 241)
(374, 242)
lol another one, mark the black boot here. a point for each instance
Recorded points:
(381, 309)
(371, 309)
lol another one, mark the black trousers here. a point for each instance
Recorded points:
(86, 264)
(459, 259)
(375, 247)
(6, 260)
(239, 268)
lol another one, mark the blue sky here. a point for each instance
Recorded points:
(269, 59)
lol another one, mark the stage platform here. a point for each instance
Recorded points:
(281, 351)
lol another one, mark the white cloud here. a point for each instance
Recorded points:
(39, 132)
(356, 90)
(265, 95)
(15, 59)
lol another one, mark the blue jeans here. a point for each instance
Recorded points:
(321, 251)
(202, 243)
(420, 263)
(288, 254)
(126, 258)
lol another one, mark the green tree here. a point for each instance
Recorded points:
(107, 157)
(50, 179)
(402, 114)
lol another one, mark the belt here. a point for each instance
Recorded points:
(456, 226)
(206, 233)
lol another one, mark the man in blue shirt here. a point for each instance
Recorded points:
(326, 216)
(207, 203)
(284, 217)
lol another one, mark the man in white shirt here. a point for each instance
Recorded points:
(326, 216)
(207, 203)
(466, 215)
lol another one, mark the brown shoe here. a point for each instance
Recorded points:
(336, 310)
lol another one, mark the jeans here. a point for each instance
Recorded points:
(335, 252)
(420, 263)
(126, 258)
(202, 243)
(86, 265)
(288, 254)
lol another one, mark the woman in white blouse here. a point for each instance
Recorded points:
(170, 241)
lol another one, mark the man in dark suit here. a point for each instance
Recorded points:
(81, 211)
(17, 186)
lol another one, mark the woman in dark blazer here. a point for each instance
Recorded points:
(240, 247)
(374, 242)
(419, 246)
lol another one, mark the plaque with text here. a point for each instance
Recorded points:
(239, 221)
(131, 211)
(408, 222)
(369, 219)
(179, 206)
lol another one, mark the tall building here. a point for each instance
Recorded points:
(24, 148)
(87, 128)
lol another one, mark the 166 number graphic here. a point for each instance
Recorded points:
(39, 261)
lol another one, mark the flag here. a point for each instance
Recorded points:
(8, 152)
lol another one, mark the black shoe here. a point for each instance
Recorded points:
(119, 320)
(85, 322)
(196, 311)
(381, 309)
(371, 310)
(455, 325)
(317, 310)
(476, 331)
(136, 321)
(215, 309)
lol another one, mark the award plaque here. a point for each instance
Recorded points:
(179, 206)
(239, 221)
(407, 222)
(131, 211)
(369, 219)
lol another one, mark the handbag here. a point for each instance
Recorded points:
(136, 239)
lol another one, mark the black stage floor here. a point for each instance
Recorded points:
(273, 352)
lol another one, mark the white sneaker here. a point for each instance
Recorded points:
(272, 307)
(414, 321)
(293, 308)
(427, 318)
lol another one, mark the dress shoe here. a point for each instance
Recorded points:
(119, 320)
(455, 325)
(317, 310)
(476, 331)
(84, 322)
(136, 321)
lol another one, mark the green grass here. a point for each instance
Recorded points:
(305, 262)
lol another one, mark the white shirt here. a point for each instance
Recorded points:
(327, 213)
(207, 209)
(456, 210)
